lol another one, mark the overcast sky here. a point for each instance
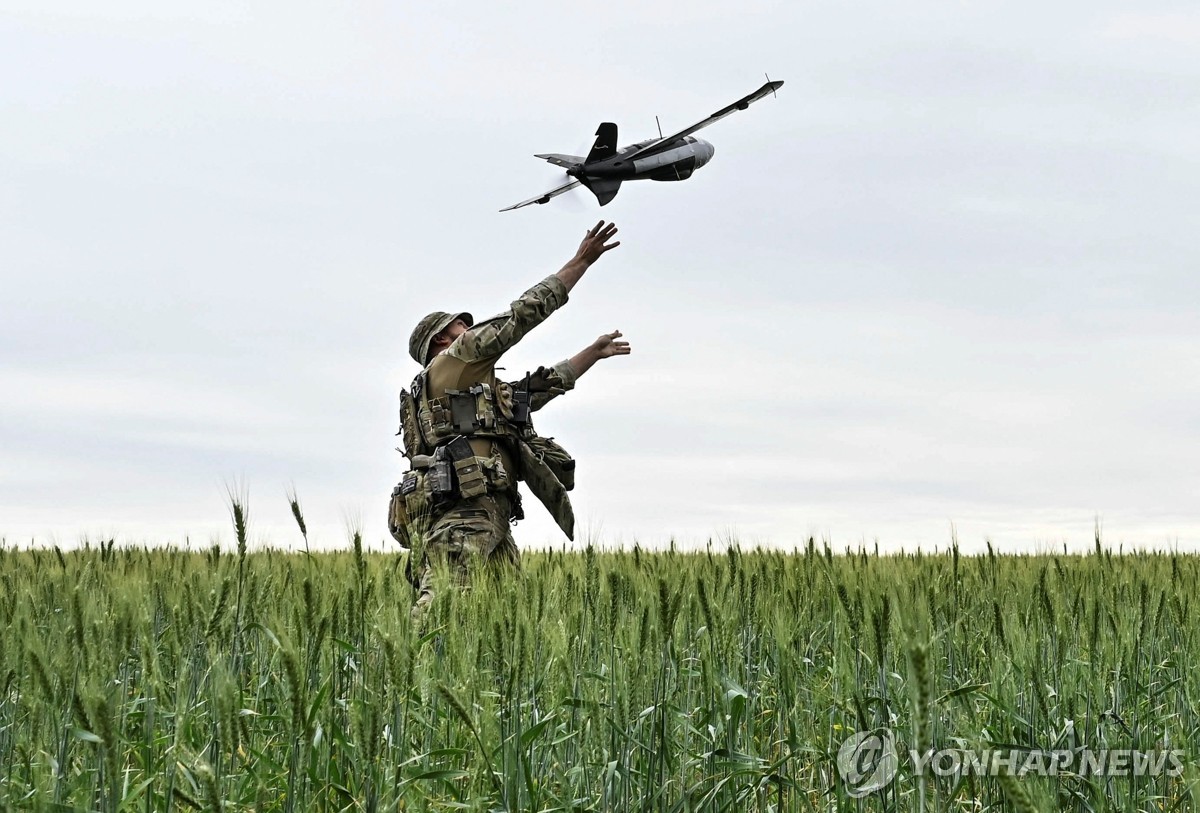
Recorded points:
(947, 279)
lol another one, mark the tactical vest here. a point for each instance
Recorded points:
(479, 412)
(431, 427)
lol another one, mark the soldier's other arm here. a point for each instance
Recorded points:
(546, 383)
(550, 382)
(604, 347)
(490, 339)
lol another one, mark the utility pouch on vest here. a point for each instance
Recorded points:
(440, 476)
(497, 476)
(409, 509)
(485, 406)
(410, 428)
(556, 458)
(471, 480)
(414, 489)
(434, 421)
(520, 405)
(468, 473)
(398, 518)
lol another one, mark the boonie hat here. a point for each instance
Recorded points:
(427, 328)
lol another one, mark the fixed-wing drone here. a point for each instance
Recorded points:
(673, 158)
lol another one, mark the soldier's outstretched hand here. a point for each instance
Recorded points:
(595, 242)
(607, 345)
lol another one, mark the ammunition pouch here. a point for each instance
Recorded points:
(469, 479)
(472, 410)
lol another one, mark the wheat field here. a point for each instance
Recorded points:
(138, 679)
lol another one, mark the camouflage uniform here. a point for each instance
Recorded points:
(477, 528)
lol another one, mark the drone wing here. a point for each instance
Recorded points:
(740, 104)
(544, 197)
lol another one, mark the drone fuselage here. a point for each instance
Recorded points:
(674, 164)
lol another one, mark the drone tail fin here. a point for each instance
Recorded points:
(605, 145)
(605, 189)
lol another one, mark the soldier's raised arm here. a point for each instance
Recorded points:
(594, 244)
(490, 339)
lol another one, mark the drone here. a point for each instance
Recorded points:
(673, 158)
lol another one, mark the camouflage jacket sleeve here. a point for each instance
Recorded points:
(547, 383)
(489, 340)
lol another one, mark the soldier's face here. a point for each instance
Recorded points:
(448, 334)
(453, 330)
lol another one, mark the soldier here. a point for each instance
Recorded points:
(469, 438)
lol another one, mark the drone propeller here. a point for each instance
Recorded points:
(574, 200)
